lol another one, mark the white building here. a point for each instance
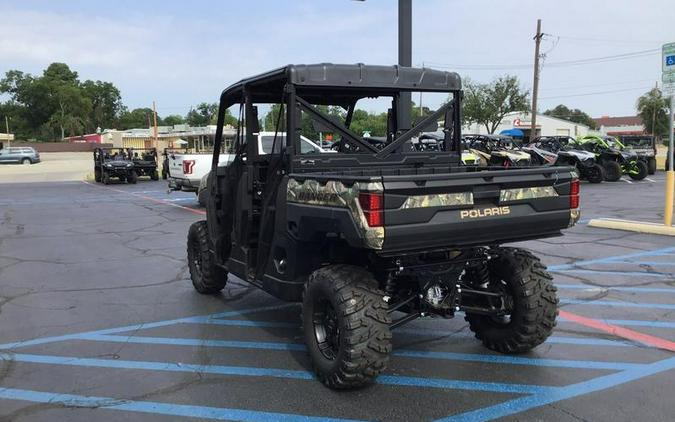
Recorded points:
(623, 125)
(546, 126)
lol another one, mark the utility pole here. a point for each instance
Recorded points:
(656, 86)
(535, 85)
(404, 59)
(670, 174)
(154, 132)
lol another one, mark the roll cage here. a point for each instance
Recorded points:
(302, 88)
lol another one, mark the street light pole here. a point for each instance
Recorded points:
(404, 59)
(670, 174)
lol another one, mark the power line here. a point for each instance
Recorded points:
(624, 56)
(577, 62)
(596, 93)
(606, 40)
(558, 88)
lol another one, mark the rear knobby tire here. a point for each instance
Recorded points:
(354, 348)
(207, 277)
(595, 174)
(651, 165)
(613, 171)
(535, 304)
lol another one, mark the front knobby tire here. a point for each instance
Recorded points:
(639, 170)
(534, 309)
(207, 277)
(346, 326)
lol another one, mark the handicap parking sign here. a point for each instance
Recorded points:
(668, 51)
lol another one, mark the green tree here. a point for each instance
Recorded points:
(71, 106)
(573, 115)
(363, 121)
(174, 119)
(270, 120)
(57, 103)
(204, 114)
(106, 104)
(652, 107)
(487, 104)
(137, 118)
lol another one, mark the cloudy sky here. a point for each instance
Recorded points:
(180, 53)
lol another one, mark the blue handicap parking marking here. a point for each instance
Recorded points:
(201, 412)
(530, 396)
(527, 396)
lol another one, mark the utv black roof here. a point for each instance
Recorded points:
(328, 83)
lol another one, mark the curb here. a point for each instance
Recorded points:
(632, 226)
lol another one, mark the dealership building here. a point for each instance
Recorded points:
(546, 126)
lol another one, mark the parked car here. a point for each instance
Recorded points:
(187, 170)
(361, 236)
(19, 155)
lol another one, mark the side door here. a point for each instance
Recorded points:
(4, 155)
(14, 155)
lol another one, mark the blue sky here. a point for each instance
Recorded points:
(181, 53)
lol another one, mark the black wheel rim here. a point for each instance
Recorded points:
(196, 258)
(506, 301)
(326, 329)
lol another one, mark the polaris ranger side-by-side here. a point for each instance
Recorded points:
(113, 162)
(145, 161)
(369, 238)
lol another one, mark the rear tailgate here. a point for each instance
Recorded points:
(193, 166)
(475, 208)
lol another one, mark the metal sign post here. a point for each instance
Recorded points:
(668, 77)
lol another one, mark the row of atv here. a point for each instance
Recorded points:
(597, 158)
(124, 164)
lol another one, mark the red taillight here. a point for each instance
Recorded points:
(372, 204)
(574, 194)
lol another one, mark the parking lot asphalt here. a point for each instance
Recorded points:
(99, 321)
